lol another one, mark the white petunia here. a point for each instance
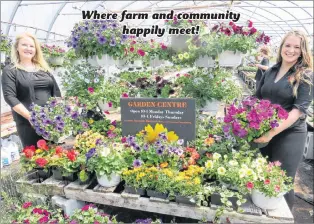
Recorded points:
(233, 163)
(104, 152)
(216, 156)
(221, 171)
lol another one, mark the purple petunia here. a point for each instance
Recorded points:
(99, 141)
(180, 141)
(226, 128)
(130, 139)
(158, 143)
(67, 110)
(143, 221)
(159, 151)
(137, 163)
(274, 124)
(145, 147)
(84, 124)
(90, 153)
(137, 148)
(58, 118)
(112, 42)
(102, 40)
(53, 103)
(59, 128)
(47, 122)
(75, 115)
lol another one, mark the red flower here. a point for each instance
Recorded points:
(249, 185)
(133, 42)
(190, 21)
(90, 89)
(151, 40)
(27, 204)
(41, 162)
(106, 112)
(71, 155)
(38, 210)
(277, 188)
(252, 30)
(195, 155)
(227, 32)
(96, 222)
(123, 139)
(178, 75)
(28, 152)
(141, 52)
(110, 104)
(164, 47)
(26, 221)
(250, 23)
(125, 95)
(59, 149)
(86, 207)
(44, 219)
(132, 49)
(267, 181)
(42, 144)
(231, 23)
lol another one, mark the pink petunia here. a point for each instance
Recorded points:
(125, 95)
(267, 181)
(141, 52)
(90, 89)
(249, 185)
(250, 23)
(277, 163)
(26, 205)
(106, 112)
(110, 104)
(277, 188)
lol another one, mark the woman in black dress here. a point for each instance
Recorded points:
(288, 83)
(27, 80)
(264, 63)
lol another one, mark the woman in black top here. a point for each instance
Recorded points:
(288, 83)
(263, 66)
(25, 81)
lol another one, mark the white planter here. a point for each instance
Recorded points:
(2, 56)
(212, 106)
(105, 60)
(105, 182)
(205, 61)
(178, 42)
(92, 60)
(264, 202)
(155, 62)
(56, 60)
(121, 63)
(136, 64)
(230, 59)
(77, 62)
(104, 106)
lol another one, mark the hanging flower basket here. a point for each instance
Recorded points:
(155, 62)
(105, 60)
(111, 181)
(212, 106)
(178, 43)
(205, 62)
(58, 61)
(136, 64)
(265, 202)
(3, 54)
(230, 59)
(92, 60)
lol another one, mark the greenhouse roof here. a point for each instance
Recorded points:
(52, 21)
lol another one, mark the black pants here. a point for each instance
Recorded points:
(288, 147)
(27, 134)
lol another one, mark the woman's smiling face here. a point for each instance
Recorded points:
(26, 48)
(291, 49)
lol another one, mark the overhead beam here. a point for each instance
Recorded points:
(17, 4)
(54, 20)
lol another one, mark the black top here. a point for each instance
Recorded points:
(260, 72)
(281, 91)
(24, 87)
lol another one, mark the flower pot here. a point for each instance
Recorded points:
(265, 202)
(105, 60)
(90, 177)
(57, 175)
(215, 199)
(121, 63)
(77, 62)
(104, 181)
(136, 64)
(205, 61)
(155, 62)
(178, 43)
(212, 106)
(230, 59)
(132, 190)
(92, 60)
(3, 54)
(157, 194)
(58, 61)
(254, 145)
(186, 200)
(71, 177)
(229, 186)
(43, 174)
(103, 105)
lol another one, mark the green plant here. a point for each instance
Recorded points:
(53, 51)
(5, 44)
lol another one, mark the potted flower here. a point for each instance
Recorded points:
(107, 163)
(159, 182)
(55, 120)
(134, 181)
(5, 46)
(72, 58)
(270, 185)
(251, 118)
(54, 53)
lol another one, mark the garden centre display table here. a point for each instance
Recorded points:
(115, 196)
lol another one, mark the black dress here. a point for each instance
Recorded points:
(287, 146)
(24, 87)
(260, 72)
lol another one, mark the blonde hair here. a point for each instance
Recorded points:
(265, 50)
(38, 59)
(304, 65)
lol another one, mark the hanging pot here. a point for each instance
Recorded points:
(111, 181)
(92, 60)
(178, 43)
(265, 202)
(155, 62)
(58, 61)
(205, 62)
(230, 59)
(105, 60)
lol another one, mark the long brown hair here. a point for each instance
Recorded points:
(304, 65)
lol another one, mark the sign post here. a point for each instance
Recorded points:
(176, 114)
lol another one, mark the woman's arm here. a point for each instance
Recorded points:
(21, 110)
(263, 67)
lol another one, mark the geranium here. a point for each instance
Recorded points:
(42, 144)
(52, 51)
(41, 162)
(27, 204)
(251, 118)
(29, 151)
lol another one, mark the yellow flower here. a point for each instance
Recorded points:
(38, 151)
(249, 172)
(90, 121)
(221, 171)
(197, 180)
(111, 127)
(163, 165)
(209, 164)
(186, 55)
(209, 141)
(172, 137)
(216, 156)
(152, 134)
(181, 56)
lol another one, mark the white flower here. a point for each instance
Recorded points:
(86, 80)
(80, 76)
(261, 161)
(229, 203)
(225, 156)
(242, 173)
(221, 171)
(249, 172)
(244, 166)
(216, 156)
(209, 164)
(233, 163)
(104, 152)
(96, 80)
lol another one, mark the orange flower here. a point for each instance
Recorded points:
(111, 127)
(163, 165)
(209, 141)
(191, 161)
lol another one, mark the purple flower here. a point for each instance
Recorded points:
(33, 120)
(43, 116)
(98, 141)
(274, 124)
(137, 148)
(112, 42)
(75, 115)
(102, 40)
(130, 139)
(47, 122)
(163, 136)
(58, 118)
(60, 124)
(103, 26)
(180, 141)
(137, 163)
(133, 144)
(254, 125)
(53, 103)
(143, 221)
(33, 114)
(114, 123)
(68, 109)
(46, 135)
(59, 128)
(114, 25)
(124, 37)
(145, 147)
(111, 134)
(158, 143)
(85, 29)
(73, 222)
(84, 124)
(31, 106)
(226, 128)
(228, 118)
(74, 39)
(242, 133)
(90, 153)
(159, 151)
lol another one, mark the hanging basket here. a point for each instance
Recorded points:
(136, 64)
(230, 59)
(92, 60)
(155, 62)
(178, 43)
(205, 62)
(112, 181)
(77, 61)
(121, 63)
(3, 54)
(265, 202)
(58, 61)
(105, 60)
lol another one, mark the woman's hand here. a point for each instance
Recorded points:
(265, 138)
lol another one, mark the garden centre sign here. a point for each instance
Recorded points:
(176, 115)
